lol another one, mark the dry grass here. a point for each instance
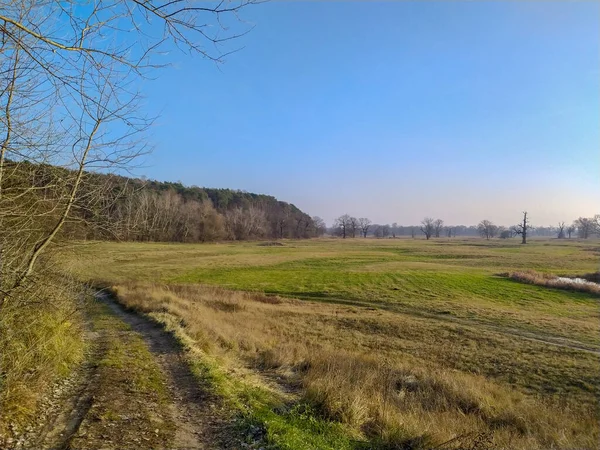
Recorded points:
(400, 381)
(40, 340)
(549, 280)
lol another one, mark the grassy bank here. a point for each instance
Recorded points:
(41, 340)
(266, 414)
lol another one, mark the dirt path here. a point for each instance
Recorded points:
(134, 391)
(200, 420)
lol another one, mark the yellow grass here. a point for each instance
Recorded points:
(40, 341)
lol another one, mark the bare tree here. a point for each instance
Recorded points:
(487, 229)
(381, 231)
(438, 226)
(353, 226)
(585, 227)
(428, 227)
(69, 97)
(561, 230)
(522, 228)
(342, 223)
(596, 224)
(282, 221)
(246, 224)
(385, 230)
(571, 229)
(364, 225)
(319, 226)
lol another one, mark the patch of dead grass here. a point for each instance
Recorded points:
(549, 280)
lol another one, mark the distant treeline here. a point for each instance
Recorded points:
(116, 207)
(347, 226)
(394, 230)
(139, 210)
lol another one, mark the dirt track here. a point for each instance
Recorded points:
(193, 416)
(198, 425)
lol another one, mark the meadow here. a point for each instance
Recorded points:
(394, 343)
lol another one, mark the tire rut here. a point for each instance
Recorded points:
(201, 422)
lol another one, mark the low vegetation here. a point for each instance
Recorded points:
(581, 284)
(40, 342)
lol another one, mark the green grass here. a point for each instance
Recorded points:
(41, 341)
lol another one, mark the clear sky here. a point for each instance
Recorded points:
(395, 111)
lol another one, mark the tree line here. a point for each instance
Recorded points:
(347, 226)
(140, 210)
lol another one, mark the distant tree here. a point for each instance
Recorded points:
(394, 230)
(437, 227)
(364, 225)
(211, 225)
(377, 231)
(342, 223)
(319, 226)
(561, 230)
(487, 229)
(585, 227)
(246, 223)
(523, 228)
(353, 226)
(596, 224)
(385, 230)
(427, 227)
(283, 220)
(506, 234)
(300, 223)
(571, 229)
(412, 232)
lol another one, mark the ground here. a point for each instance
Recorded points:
(135, 390)
(363, 342)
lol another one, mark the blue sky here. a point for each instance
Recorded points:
(395, 111)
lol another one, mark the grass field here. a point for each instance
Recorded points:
(406, 343)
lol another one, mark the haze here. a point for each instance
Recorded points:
(395, 111)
